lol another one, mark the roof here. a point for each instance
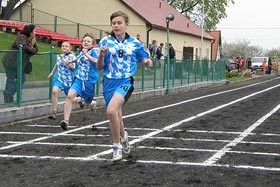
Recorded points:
(217, 42)
(154, 12)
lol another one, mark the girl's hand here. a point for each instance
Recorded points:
(33, 41)
(84, 51)
(103, 50)
(148, 62)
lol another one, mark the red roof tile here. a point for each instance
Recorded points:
(154, 12)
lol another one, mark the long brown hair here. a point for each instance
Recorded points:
(27, 30)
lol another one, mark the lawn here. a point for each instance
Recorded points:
(40, 61)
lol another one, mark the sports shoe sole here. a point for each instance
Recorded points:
(52, 117)
(93, 106)
(126, 151)
(64, 124)
(118, 157)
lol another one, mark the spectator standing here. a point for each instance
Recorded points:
(237, 62)
(118, 55)
(27, 40)
(269, 64)
(264, 66)
(171, 53)
(138, 37)
(152, 49)
(159, 54)
(241, 63)
(63, 75)
(86, 77)
(249, 63)
(172, 60)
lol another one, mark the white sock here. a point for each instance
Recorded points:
(124, 138)
(117, 145)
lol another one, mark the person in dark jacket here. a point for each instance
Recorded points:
(27, 40)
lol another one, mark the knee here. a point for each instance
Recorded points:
(70, 97)
(111, 112)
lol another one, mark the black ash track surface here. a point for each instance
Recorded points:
(219, 136)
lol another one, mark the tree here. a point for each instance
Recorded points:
(241, 48)
(274, 53)
(9, 9)
(214, 11)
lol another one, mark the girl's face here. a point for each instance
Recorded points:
(65, 47)
(119, 26)
(33, 33)
(87, 42)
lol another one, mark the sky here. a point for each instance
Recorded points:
(256, 21)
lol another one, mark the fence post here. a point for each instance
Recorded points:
(19, 75)
(164, 72)
(51, 67)
(143, 75)
(78, 30)
(55, 24)
(32, 15)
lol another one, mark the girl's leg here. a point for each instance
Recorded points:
(55, 93)
(121, 123)
(115, 117)
(68, 104)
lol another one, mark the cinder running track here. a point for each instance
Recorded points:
(220, 136)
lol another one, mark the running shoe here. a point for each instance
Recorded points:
(80, 101)
(125, 143)
(117, 153)
(64, 124)
(92, 106)
(52, 116)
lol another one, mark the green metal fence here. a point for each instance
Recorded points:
(182, 72)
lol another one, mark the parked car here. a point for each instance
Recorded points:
(257, 63)
(230, 65)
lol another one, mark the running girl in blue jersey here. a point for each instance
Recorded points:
(63, 75)
(118, 55)
(86, 77)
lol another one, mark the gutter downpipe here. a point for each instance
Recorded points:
(143, 66)
(148, 36)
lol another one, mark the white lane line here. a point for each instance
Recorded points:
(207, 150)
(144, 162)
(151, 134)
(47, 137)
(234, 142)
(140, 129)
(212, 165)
(147, 111)
(144, 129)
(153, 138)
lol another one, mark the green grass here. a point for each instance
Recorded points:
(237, 79)
(40, 61)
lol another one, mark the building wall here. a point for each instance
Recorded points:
(181, 40)
(93, 17)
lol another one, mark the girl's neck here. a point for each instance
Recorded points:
(120, 36)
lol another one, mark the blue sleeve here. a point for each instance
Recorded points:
(142, 53)
(93, 53)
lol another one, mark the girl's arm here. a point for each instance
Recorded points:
(52, 72)
(100, 60)
(67, 62)
(92, 59)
